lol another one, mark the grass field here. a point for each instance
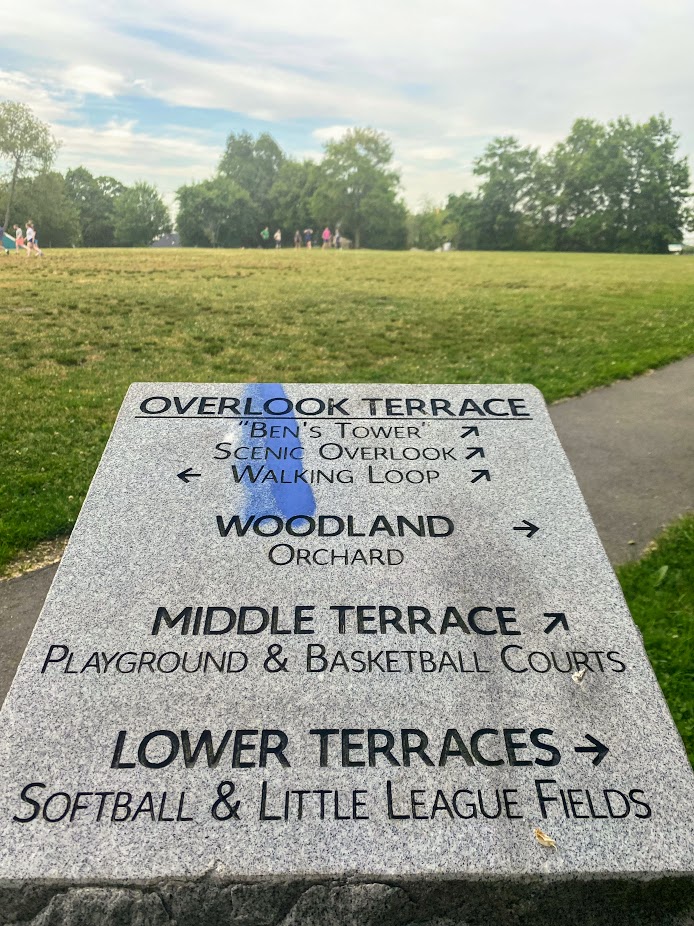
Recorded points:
(78, 327)
(660, 591)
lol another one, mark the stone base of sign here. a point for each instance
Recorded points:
(217, 902)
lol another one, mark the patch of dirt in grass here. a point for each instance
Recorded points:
(43, 554)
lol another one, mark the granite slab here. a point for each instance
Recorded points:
(318, 642)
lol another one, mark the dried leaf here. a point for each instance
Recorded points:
(578, 676)
(544, 839)
(660, 575)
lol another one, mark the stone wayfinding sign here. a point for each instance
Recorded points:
(305, 633)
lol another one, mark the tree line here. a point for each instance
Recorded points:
(620, 186)
(354, 187)
(616, 187)
(74, 208)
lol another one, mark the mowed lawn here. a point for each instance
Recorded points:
(659, 589)
(78, 327)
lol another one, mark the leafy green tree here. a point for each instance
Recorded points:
(614, 187)
(140, 216)
(44, 200)
(385, 221)
(507, 170)
(654, 199)
(358, 190)
(95, 200)
(254, 164)
(429, 228)
(539, 228)
(26, 144)
(216, 213)
(569, 197)
(463, 217)
(291, 196)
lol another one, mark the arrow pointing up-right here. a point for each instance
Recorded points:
(471, 430)
(559, 618)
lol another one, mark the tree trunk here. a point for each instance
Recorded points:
(12, 186)
(357, 237)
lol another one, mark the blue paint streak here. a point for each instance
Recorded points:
(282, 499)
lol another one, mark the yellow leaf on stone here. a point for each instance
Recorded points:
(544, 839)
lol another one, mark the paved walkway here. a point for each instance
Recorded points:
(631, 446)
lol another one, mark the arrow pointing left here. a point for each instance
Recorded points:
(600, 749)
(187, 475)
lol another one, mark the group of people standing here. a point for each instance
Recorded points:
(27, 241)
(304, 238)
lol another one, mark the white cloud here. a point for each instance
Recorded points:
(49, 103)
(308, 154)
(330, 132)
(440, 79)
(122, 148)
(433, 153)
(88, 79)
(129, 152)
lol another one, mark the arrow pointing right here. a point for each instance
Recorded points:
(528, 527)
(481, 474)
(559, 618)
(597, 747)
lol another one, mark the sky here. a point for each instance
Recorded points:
(150, 90)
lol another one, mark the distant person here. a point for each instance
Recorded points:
(297, 239)
(278, 238)
(308, 237)
(338, 239)
(265, 236)
(32, 240)
(18, 237)
(326, 236)
(36, 241)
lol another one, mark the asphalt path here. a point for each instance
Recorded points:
(631, 446)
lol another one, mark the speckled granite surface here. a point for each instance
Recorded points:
(351, 649)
